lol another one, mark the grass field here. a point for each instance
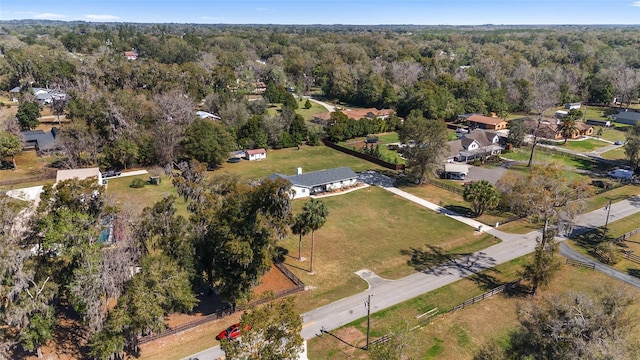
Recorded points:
(544, 157)
(584, 145)
(285, 161)
(376, 230)
(454, 202)
(615, 134)
(457, 335)
(134, 200)
(615, 195)
(383, 139)
(28, 165)
(615, 154)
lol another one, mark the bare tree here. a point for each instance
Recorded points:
(174, 112)
(543, 97)
(625, 82)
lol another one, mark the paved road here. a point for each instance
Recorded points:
(568, 252)
(389, 293)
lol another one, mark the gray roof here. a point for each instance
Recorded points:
(43, 140)
(628, 115)
(322, 177)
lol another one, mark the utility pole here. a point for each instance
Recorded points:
(606, 222)
(368, 305)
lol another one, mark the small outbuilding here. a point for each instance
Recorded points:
(256, 154)
(456, 171)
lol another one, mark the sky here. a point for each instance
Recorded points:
(356, 12)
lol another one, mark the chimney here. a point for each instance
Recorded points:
(299, 171)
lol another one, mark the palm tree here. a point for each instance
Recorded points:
(299, 227)
(567, 127)
(315, 215)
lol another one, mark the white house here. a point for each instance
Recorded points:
(318, 182)
(572, 106)
(474, 145)
(256, 154)
(79, 174)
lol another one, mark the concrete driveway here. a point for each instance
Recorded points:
(492, 175)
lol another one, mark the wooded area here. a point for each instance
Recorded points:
(122, 111)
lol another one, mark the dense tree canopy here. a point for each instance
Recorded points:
(427, 144)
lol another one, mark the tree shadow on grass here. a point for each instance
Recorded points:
(588, 238)
(436, 261)
(634, 272)
(461, 210)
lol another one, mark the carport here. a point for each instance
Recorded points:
(456, 171)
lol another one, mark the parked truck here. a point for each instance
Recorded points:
(623, 174)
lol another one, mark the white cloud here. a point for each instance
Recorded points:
(635, 3)
(101, 17)
(211, 18)
(50, 16)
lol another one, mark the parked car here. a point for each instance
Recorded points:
(111, 173)
(231, 332)
(619, 142)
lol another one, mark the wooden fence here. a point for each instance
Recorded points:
(629, 255)
(624, 237)
(203, 320)
(440, 184)
(47, 176)
(373, 159)
(583, 264)
(299, 286)
(486, 295)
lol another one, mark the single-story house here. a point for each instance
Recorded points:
(80, 174)
(476, 144)
(370, 113)
(255, 154)
(317, 182)
(549, 129)
(44, 96)
(43, 142)
(627, 117)
(476, 121)
(456, 171)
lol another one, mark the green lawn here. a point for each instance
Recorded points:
(454, 202)
(391, 156)
(28, 165)
(308, 113)
(134, 200)
(544, 157)
(615, 134)
(584, 145)
(286, 161)
(371, 229)
(615, 195)
(615, 154)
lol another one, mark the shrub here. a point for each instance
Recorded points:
(138, 183)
